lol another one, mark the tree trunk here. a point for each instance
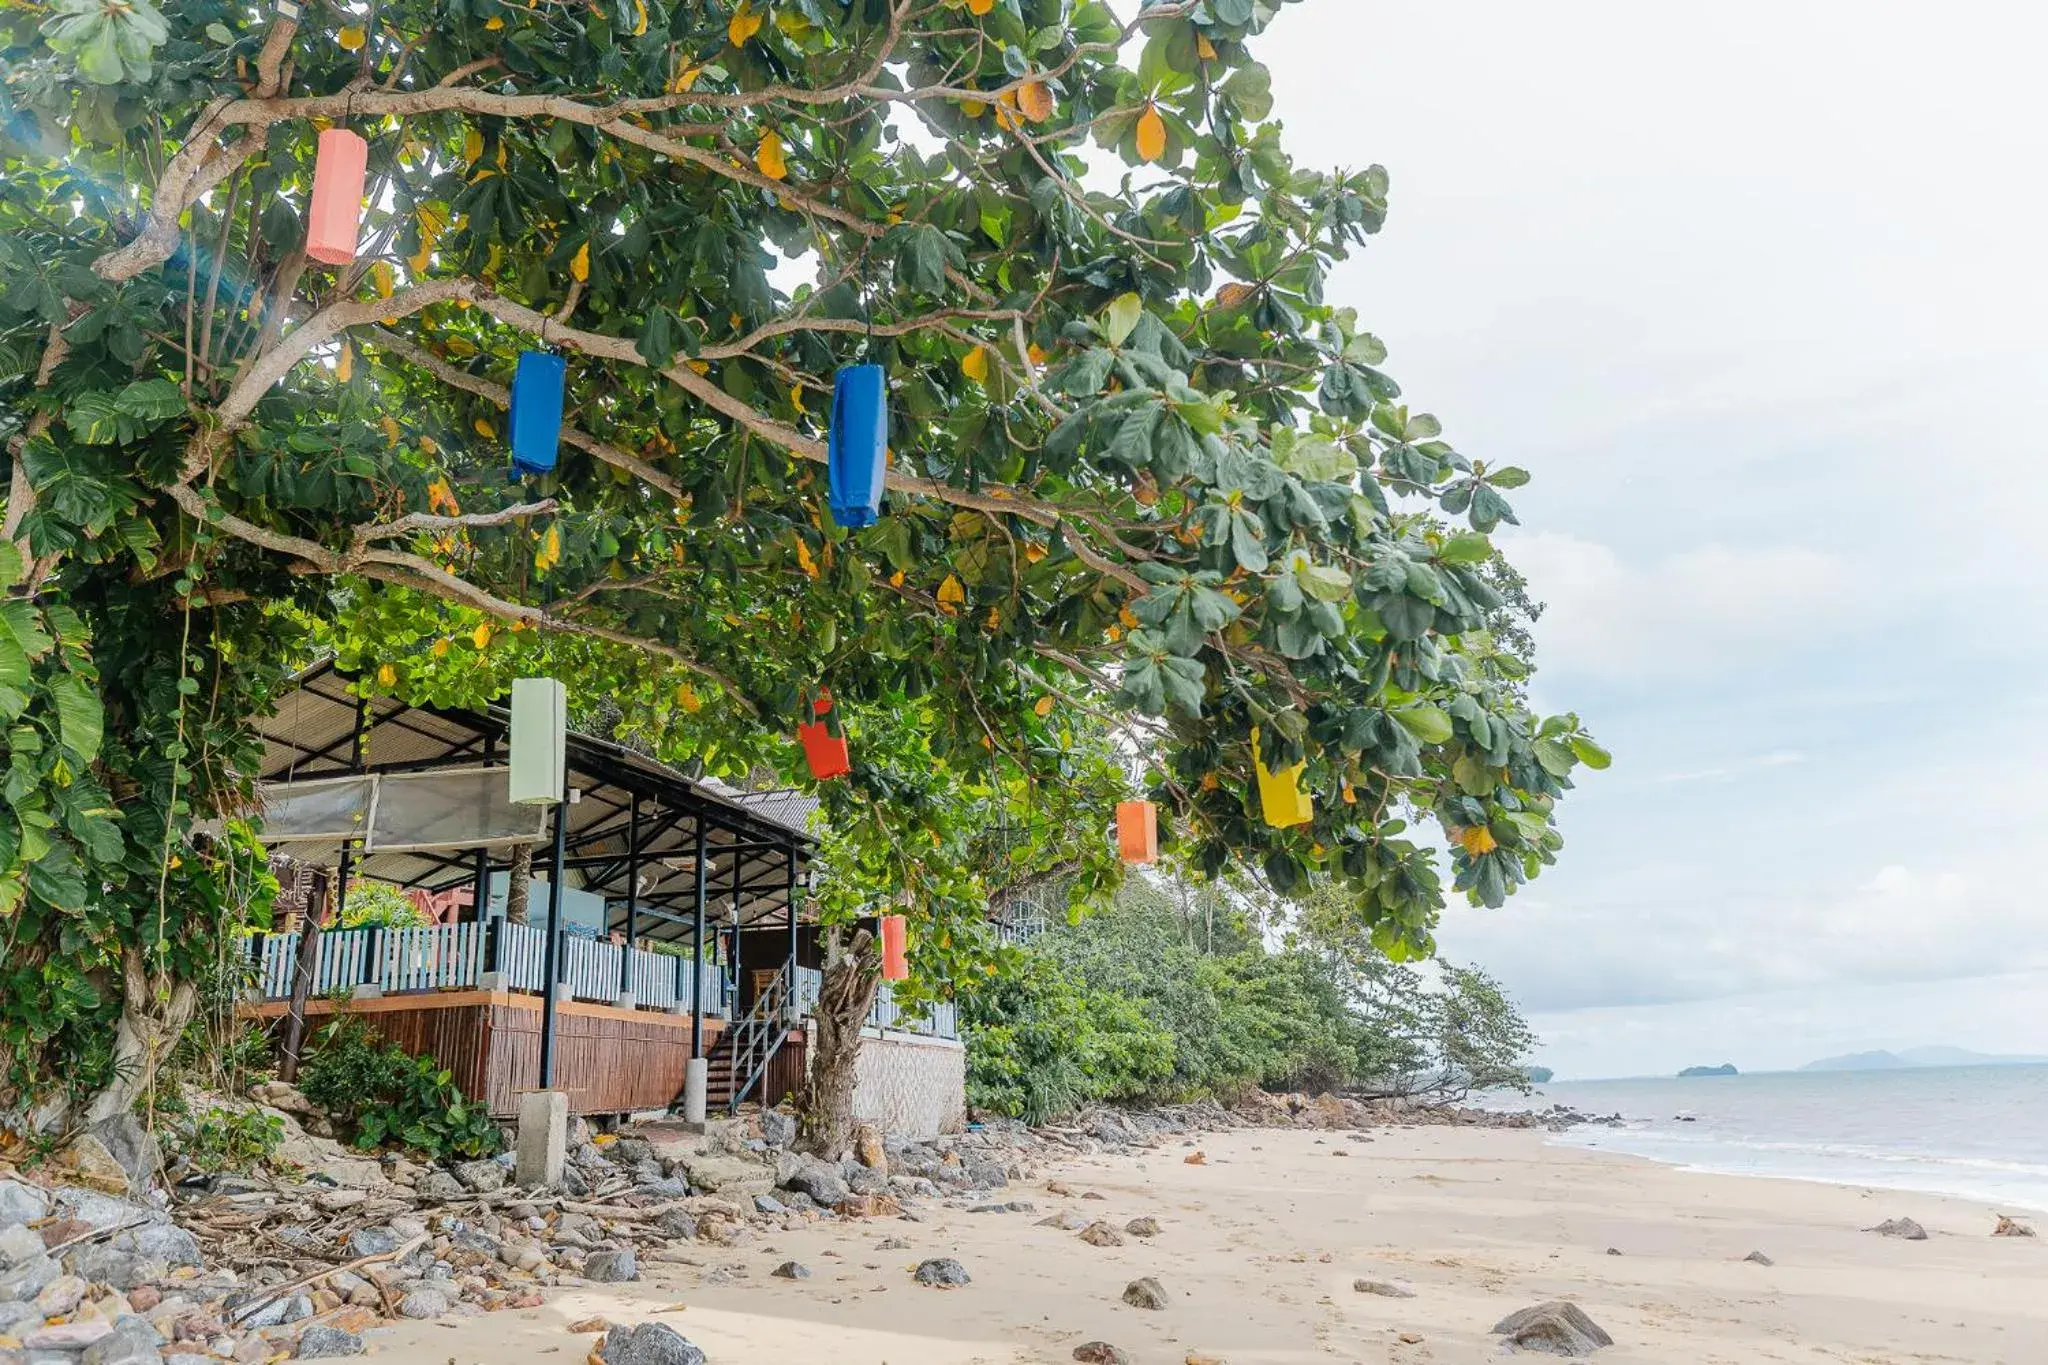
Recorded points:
(154, 1014)
(853, 968)
(515, 884)
(317, 910)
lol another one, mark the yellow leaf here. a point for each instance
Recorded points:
(769, 156)
(382, 279)
(796, 397)
(699, 366)
(640, 17)
(973, 108)
(579, 264)
(951, 595)
(896, 579)
(351, 38)
(993, 622)
(1151, 134)
(975, 365)
(390, 426)
(1210, 782)
(792, 23)
(687, 698)
(803, 558)
(387, 676)
(485, 429)
(1043, 707)
(472, 144)
(685, 79)
(1035, 99)
(481, 636)
(345, 363)
(430, 445)
(494, 23)
(1127, 618)
(440, 648)
(744, 25)
(978, 7)
(1036, 352)
(1232, 294)
(1477, 839)
(1205, 49)
(550, 549)
(1033, 552)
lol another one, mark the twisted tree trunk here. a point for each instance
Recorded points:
(853, 968)
(154, 1013)
(515, 884)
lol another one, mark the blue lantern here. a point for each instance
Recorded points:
(857, 444)
(536, 421)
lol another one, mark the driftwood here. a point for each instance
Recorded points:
(250, 1310)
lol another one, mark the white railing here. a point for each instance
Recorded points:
(941, 1021)
(809, 984)
(456, 956)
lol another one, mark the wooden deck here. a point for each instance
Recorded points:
(610, 1061)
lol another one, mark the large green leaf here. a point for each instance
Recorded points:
(79, 715)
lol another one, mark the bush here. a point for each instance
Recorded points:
(1040, 1045)
(218, 1139)
(385, 1094)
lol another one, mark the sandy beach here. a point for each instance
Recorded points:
(1260, 1246)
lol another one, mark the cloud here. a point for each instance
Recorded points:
(1671, 936)
(1730, 771)
(1715, 607)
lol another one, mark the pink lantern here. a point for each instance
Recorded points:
(337, 210)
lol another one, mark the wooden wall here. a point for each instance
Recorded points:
(610, 1061)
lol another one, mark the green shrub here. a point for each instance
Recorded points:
(218, 1139)
(384, 1094)
(1039, 1045)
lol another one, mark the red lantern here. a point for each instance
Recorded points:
(1137, 831)
(337, 209)
(824, 744)
(895, 948)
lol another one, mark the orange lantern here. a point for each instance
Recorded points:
(1137, 831)
(337, 209)
(895, 948)
(824, 743)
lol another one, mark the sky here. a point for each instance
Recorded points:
(1755, 291)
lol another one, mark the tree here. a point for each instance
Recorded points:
(1142, 470)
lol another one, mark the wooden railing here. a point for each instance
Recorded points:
(457, 956)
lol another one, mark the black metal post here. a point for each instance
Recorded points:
(739, 986)
(791, 893)
(480, 896)
(348, 848)
(632, 895)
(697, 952)
(552, 951)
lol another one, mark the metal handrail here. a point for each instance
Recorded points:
(756, 1039)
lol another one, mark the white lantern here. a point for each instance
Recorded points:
(540, 728)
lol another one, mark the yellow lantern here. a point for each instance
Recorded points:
(1281, 798)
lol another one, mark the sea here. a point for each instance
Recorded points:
(1980, 1132)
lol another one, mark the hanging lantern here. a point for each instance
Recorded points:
(895, 948)
(1281, 798)
(857, 445)
(337, 208)
(1137, 831)
(824, 743)
(536, 416)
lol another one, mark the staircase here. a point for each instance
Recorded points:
(738, 1060)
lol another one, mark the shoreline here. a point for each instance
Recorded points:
(1260, 1245)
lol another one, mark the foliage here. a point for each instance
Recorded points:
(1151, 489)
(371, 902)
(1040, 1044)
(1204, 1007)
(228, 1139)
(385, 1094)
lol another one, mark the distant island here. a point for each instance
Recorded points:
(1920, 1057)
(1538, 1075)
(1725, 1069)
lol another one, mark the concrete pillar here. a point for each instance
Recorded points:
(696, 1087)
(543, 1142)
(623, 1001)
